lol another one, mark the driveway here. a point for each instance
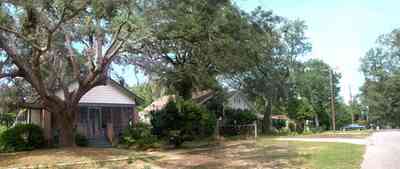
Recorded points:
(383, 151)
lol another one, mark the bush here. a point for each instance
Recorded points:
(22, 137)
(138, 135)
(2, 129)
(183, 121)
(81, 140)
(239, 117)
(317, 129)
(279, 124)
(292, 126)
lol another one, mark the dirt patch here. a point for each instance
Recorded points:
(90, 157)
(233, 155)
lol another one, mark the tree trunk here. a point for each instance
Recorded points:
(67, 137)
(267, 121)
(316, 120)
(66, 125)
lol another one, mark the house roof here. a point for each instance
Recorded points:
(137, 99)
(280, 117)
(273, 117)
(119, 86)
(243, 97)
(199, 97)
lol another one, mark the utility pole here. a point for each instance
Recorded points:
(351, 105)
(333, 113)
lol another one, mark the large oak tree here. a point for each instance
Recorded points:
(196, 41)
(53, 43)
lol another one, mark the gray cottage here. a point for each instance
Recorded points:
(103, 113)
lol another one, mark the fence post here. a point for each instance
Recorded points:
(255, 129)
(217, 129)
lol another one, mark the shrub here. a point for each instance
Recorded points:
(138, 135)
(317, 129)
(183, 121)
(292, 126)
(239, 117)
(2, 129)
(22, 137)
(81, 140)
(279, 124)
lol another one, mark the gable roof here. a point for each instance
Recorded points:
(199, 97)
(122, 89)
(242, 96)
(128, 92)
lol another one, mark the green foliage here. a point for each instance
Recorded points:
(138, 135)
(144, 91)
(381, 70)
(2, 129)
(84, 38)
(11, 93)
(342, 119)
(313, 85)
(81, 140)
(292, 126)
(240, 117)
(7, 119)
(271, 80)
(183, 120)
(22, 137)
(279, 124)
(199, 40)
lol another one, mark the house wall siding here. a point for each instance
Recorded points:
(36, 115)
(238, 102)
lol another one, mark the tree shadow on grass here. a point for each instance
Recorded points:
(246, 155)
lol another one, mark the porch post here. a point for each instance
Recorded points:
(135, 116)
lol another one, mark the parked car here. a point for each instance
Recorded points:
(353, 127)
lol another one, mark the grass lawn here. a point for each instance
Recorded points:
(263, 153)
(315, 155)
(341, 134)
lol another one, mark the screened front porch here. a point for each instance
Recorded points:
(99, 121)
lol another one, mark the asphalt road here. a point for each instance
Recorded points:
(383, 151)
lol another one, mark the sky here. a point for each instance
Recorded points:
(341, 31)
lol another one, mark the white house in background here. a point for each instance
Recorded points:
(104, 112)
(199, 97)
(238, 100)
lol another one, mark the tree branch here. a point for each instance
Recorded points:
(63, 19)
(115, 38)
(36, 46)
(13, 74)
(72, 58)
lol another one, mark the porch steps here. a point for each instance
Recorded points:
(101, 142)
